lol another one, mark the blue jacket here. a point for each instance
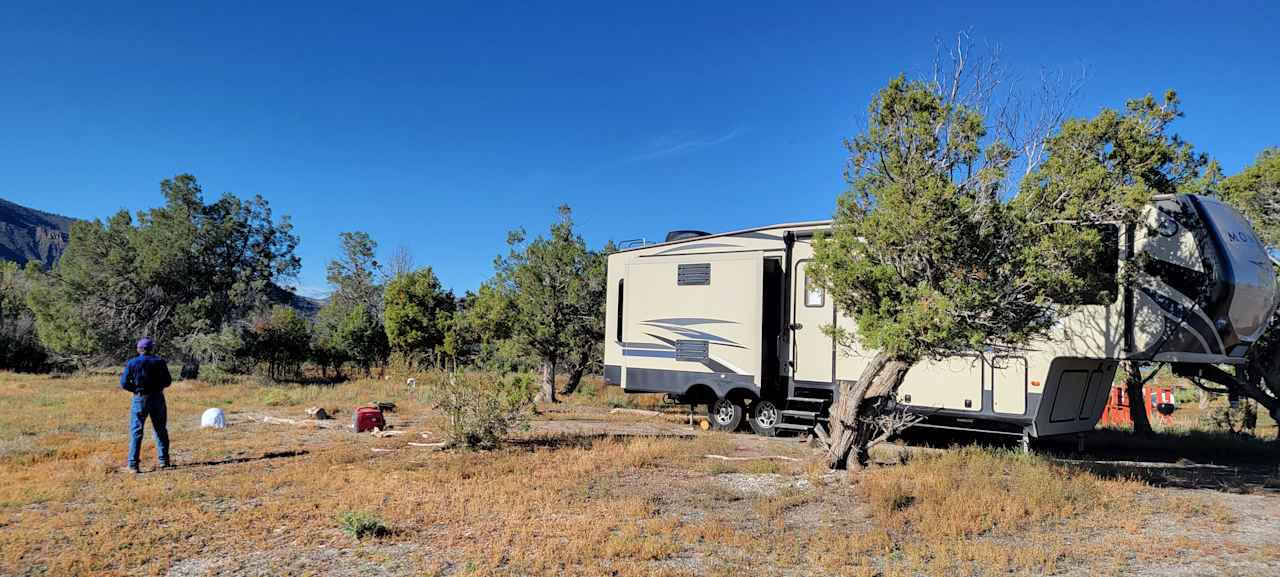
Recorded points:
(145, 374)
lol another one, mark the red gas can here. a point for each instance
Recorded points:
(368, 418)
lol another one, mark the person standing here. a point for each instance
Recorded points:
(146, 376)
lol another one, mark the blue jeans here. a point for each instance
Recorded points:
(144, 406)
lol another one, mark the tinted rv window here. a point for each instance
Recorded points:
(619, 323)
(1100, 269)
(814, 296)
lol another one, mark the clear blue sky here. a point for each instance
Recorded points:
(440, 126)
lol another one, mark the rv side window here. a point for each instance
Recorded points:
(814, 296)
(1100, 268)
(619, 323)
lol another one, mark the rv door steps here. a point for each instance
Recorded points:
(793, 427)
(803, 413)
(813, 400)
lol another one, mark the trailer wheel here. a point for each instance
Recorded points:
(725, 415)
(764, 418)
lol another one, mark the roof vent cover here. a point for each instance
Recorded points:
(683, 234)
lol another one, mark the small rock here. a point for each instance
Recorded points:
(318, 413)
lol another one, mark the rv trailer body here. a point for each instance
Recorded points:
(734, 318)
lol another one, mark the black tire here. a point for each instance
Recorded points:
(764, 418)
(725, 415)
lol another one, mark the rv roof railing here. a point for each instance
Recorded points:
(633, 243)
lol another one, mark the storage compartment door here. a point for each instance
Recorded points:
(1009, 385)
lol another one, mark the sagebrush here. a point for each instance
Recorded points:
(361, 524)
(481, 410)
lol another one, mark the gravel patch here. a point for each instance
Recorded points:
(761, 484)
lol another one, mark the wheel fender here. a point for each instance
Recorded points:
(745, 395)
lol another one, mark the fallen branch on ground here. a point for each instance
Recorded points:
(1144, 464)
(298, 423)
(765, 457)
(634, 412)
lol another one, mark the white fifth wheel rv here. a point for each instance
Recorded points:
(732, 321)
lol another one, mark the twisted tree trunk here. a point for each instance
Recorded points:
(548, 394)
(575, 379)
(1134, 384)
(1251, 379)
(850, 434)
(579, 368)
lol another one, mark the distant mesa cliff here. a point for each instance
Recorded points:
(27, 234)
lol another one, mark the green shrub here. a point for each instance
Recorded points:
(1238, 419)
(361, 524)
(1186, 395)
(482, 409)
(217, 376)
(275, 397)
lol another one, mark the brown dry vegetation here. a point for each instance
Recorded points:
(266, 499)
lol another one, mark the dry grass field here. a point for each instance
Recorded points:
(586, 492)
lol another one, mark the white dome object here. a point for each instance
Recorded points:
(213, 418)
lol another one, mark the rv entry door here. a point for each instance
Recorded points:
(813, 350)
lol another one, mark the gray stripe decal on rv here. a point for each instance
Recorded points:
(670, 348)
(709, 362)
(717, 367)
(1182, 316)
(760, 235)
(1195, 316)
(649, 353)
(694, 246)
(688, 333)
(686, 321)
(628, 345)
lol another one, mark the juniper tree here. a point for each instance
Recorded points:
(280, 340)
(417, 313)
(20, 348)
(349, 326)
(486, 327)
(1104, 169)
(181, 269)
(551, 282)
(586, 333)
(354, 274)
(929, 260)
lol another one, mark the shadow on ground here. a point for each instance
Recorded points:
(1192, 460)
(236, 460)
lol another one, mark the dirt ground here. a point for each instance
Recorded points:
(593, 490)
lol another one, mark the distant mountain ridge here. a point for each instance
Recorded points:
(27, 234)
